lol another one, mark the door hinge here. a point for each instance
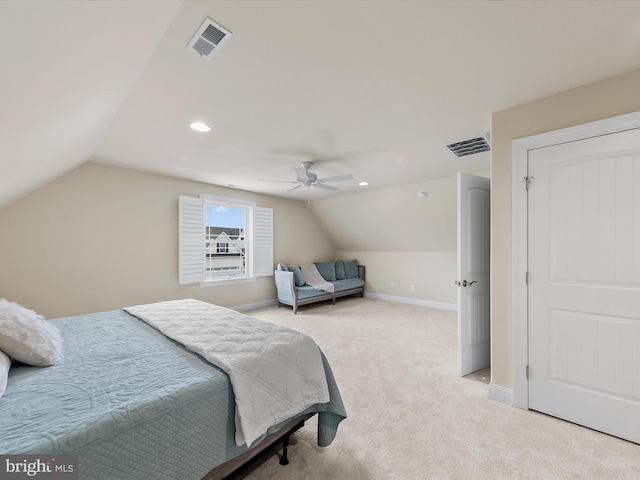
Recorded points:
(526, 371)
(527, 181)
(526, 278)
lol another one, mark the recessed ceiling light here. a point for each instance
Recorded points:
(363, 184)
(200, 127)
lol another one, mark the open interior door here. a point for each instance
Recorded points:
(474, 346)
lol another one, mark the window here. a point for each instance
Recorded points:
(223, 240)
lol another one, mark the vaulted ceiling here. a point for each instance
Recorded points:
(371, 89)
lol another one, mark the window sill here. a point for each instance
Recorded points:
(227, 281)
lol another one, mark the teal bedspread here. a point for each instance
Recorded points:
(131, 402)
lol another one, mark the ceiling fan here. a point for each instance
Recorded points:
(304, 178)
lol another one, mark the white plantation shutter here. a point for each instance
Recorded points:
(263, 242)
(190, 240)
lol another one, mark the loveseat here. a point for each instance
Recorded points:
(347, 278)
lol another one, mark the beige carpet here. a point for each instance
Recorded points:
(412, 417)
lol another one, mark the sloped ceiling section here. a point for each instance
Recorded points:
(368, 88)
(67, 68)
(393, 219)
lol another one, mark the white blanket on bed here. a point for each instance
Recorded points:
(275, 372)
(312, 277)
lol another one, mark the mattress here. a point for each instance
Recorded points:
(132, 403)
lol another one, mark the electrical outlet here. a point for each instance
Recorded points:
(413, 287)
(393, 284)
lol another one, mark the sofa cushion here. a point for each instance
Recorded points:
(351, 269)
(347, 284)
(340, 273)
(327, 270)
(298, 275)
(282, 267)
(309, 292)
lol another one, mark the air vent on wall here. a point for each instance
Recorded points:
(208, 39)
(469, 146)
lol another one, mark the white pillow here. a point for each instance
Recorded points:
(5, 364)
(27, 336)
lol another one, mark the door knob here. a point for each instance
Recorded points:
(464, 283)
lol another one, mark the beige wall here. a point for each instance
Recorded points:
(101, 238)
(393, 273)
(608, 98)
(402, 239)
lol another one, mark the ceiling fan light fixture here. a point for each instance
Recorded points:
(200, 127)
(304, 178)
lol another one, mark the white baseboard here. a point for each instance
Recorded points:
(254, 306)
(500, 394)
(413, 301)
(377, 296)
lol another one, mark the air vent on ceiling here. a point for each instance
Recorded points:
(469, 146)
(208, 39)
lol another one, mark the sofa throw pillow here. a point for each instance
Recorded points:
(282, 267)
(351, 269)
(27, 336)
(340, 273)
(5, 365)
(327, 270)
(297, 275)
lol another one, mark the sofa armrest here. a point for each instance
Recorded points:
(285, 287)
(361, 272)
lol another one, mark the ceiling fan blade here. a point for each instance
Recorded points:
(324, 187)
(303, 175)
(294, 188)
(338, 178)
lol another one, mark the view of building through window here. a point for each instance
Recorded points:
(225, 241)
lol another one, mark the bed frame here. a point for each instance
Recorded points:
(226, 469)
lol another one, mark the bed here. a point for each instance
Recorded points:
(133, 403)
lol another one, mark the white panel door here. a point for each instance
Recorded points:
(584, 282)
(474, 346)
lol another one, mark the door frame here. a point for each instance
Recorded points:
(519, 244)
